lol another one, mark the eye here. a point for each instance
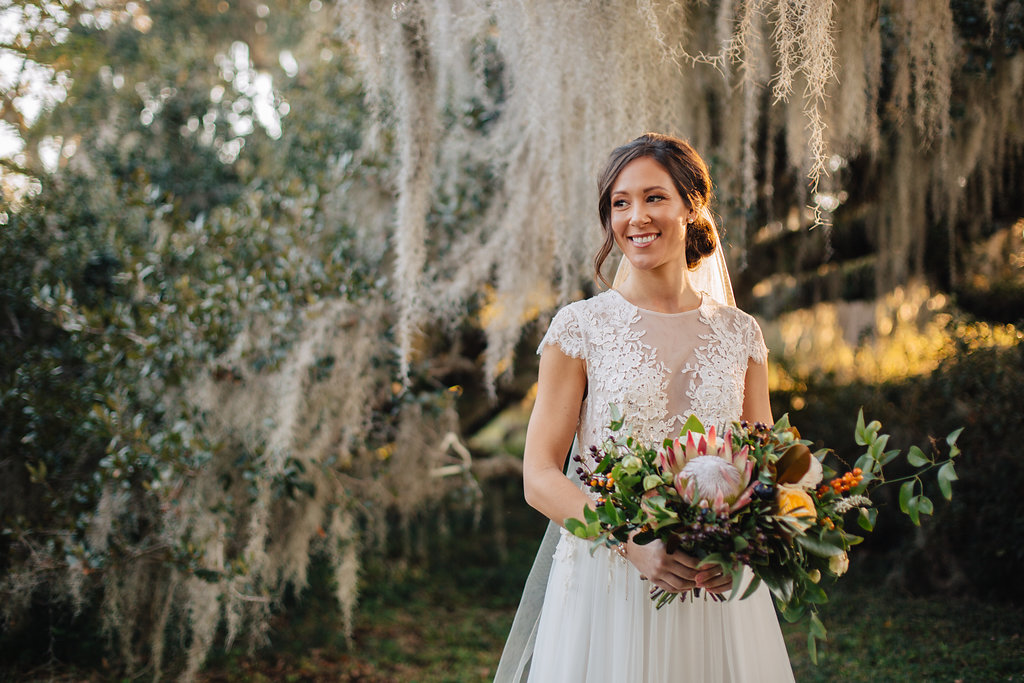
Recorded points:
(618, 203)
(656, 198)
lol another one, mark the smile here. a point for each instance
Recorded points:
(643, 240)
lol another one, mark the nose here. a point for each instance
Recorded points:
(639, 215)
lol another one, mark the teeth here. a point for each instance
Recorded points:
(646, 239)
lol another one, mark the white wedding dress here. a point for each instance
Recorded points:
(596, 621)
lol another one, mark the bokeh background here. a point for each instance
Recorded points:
(273, 273)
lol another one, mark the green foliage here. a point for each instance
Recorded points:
(970, 544)
(181, 222)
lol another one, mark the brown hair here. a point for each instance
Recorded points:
(689, 174)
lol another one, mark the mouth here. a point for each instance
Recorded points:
(644, 239)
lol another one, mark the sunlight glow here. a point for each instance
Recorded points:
(908, 332)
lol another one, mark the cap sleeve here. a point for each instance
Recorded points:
(565, 331)
(755, 342)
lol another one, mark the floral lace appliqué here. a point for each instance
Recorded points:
(622, 369)
(717, 379)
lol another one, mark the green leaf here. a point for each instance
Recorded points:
(877, 447)
(906, 493)
(754, 584)
(946, 477)
(916, 457)
(818, 628)
(860, 433)
(817, 546)
(813, 593)
(645, 537)
(812, 648)
(924, 505)
(616, 423)
(781, 424)
(693, 424)
(794, 611)
(951, 440)
(865, 462)
(612, 515)
(652, 481)
(914, 510)
(576, 527)
(590, 514)
(867, 518)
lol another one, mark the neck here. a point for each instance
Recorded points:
(664, 292)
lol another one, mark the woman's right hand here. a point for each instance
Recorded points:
(674, 572)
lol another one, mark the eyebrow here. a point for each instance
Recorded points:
(645, 190)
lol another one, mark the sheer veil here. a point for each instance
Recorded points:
(712, 277)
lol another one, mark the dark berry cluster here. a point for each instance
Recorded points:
(582, 472)
(757, 550)
(708, 531)
(759, 431)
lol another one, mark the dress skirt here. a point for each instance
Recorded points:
(598, 624)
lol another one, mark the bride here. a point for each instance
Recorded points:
(663, 343)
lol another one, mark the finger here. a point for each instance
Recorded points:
(688, 561)
(708, 575)
(719, 585)
(674, 582)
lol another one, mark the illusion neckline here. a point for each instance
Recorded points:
(703, 301)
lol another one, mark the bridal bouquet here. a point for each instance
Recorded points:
(756, 496)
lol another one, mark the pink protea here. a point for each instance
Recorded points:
(706, 469)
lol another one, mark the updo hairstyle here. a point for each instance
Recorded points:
(690, 175)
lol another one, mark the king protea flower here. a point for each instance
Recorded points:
(704, 469)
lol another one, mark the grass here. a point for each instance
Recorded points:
(879, 634)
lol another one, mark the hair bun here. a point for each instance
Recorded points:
(700, 240)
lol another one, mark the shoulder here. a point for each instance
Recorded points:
(740, 323)
(571, 326)
(727, 313)
(608, 301)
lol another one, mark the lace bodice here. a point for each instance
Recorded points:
(659, 368)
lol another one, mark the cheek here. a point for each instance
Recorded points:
(619, 229)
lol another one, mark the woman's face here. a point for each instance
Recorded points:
(649, 216)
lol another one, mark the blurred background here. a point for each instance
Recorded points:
(273, 274)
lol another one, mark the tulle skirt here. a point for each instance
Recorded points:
(599, 625)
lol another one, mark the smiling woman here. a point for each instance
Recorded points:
(656, 183)
(649, 217)
(661, 351)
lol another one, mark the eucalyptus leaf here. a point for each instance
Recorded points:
(576, 528)
(866, 518)
(916, 457)
(860, 433)
(913, 510)
(946, 477)
(817, 628)
(906, 493)
(812, 648)
(924, 505)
